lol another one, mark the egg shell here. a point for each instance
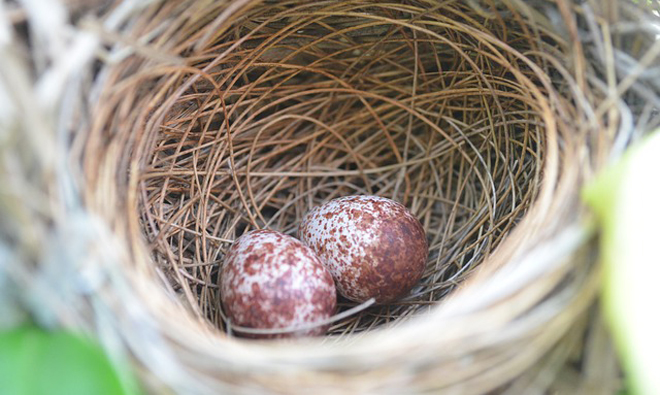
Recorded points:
(373, 246)
(271, 280)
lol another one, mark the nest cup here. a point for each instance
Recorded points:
(288, 105)
(232, 116)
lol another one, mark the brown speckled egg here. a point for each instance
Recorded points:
(270, 280)
(373, 246)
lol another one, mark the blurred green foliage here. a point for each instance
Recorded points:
(625, 200)
(37, 362)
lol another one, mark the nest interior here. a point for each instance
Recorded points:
(286, 105)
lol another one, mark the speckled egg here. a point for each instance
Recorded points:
(270, 280)
(373, 246)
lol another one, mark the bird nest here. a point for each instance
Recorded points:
(202, 120)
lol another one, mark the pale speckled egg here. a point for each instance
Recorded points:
(373, 246)
(270, 280)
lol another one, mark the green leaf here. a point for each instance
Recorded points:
(626, 199)
(36, 362)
